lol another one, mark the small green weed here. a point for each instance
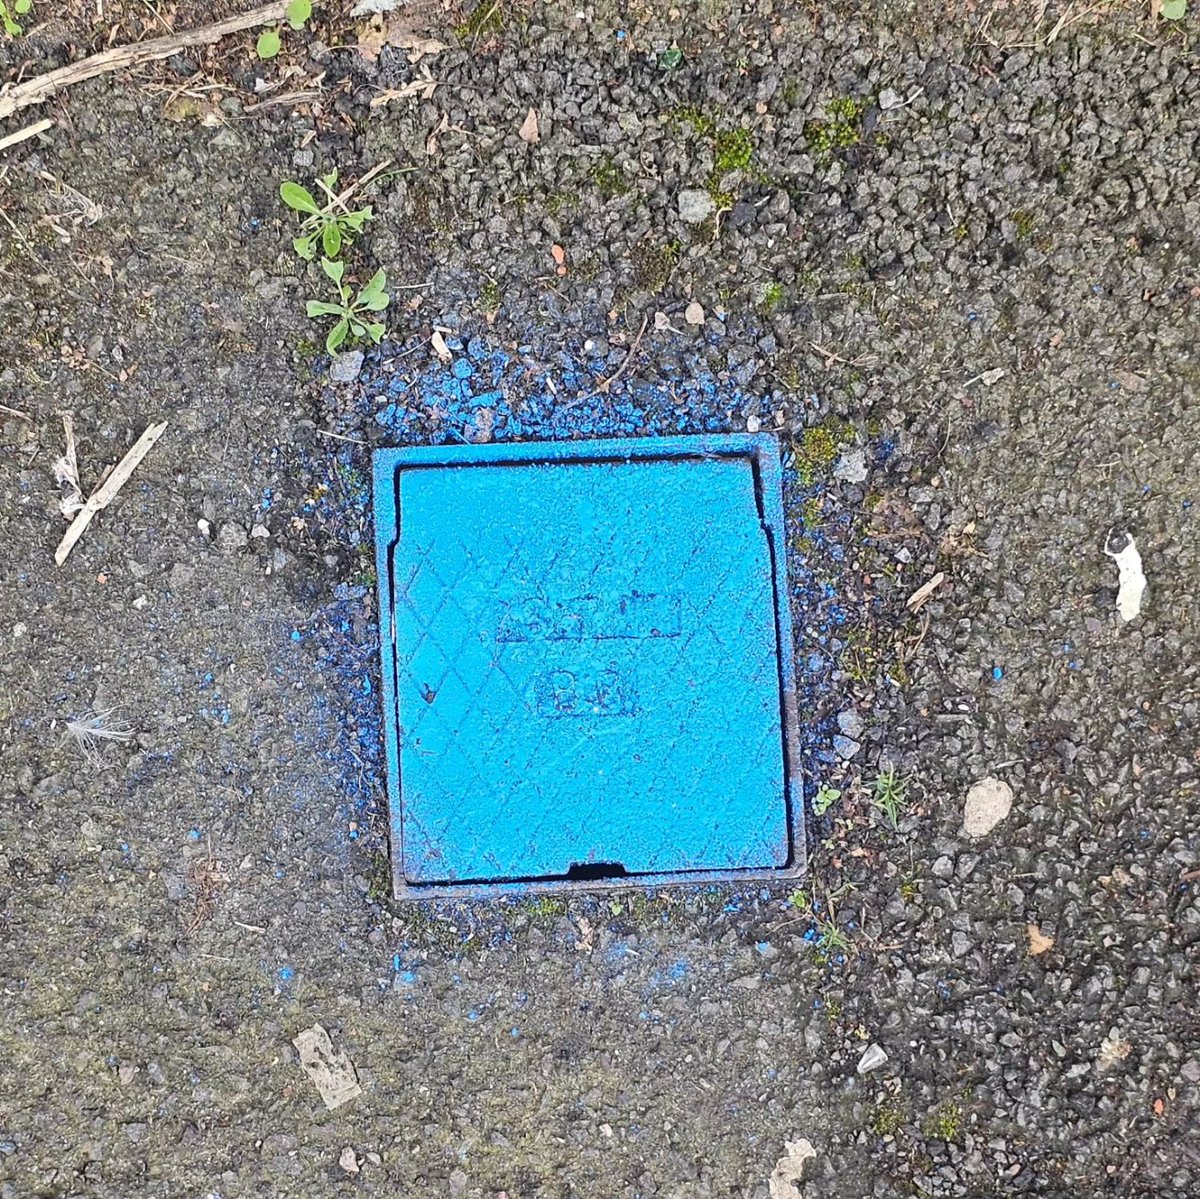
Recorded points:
(609, 179)
(824, 799)
(486, 19)
(841, 128)
(490, 297)
(1023, 219)
(830, 939)
(331, 223)
(818, 449)
(772, 297)
(798, 899)
(545, 907)
(379, 878)
(692, 115)
(670, 60)
(270, 40)
(1173, 10)
(887, 1120)
(350, 308)
(8, 17)
(944, 1122)
(890, 796)
(733, 150)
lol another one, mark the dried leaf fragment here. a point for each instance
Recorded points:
(529, 128)
(1039, 943)
(66, 472)
(331, 1070)
(785, 1179)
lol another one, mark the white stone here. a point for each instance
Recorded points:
(988, 802)
(695, 206)
(345, 367)
(851, 467)
(872, 1058)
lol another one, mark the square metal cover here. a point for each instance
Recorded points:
(587, 664)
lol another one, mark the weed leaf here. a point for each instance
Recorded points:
(297, 197)
(373, 297)
(268, 44)
(297, 12)
(337, 335)
(323, 308)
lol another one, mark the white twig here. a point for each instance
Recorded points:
(106, 492)
(21, 135)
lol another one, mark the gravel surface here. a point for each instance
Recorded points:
(955, 263)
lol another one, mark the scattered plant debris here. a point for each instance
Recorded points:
(66, 472)
(209, 878)
(107, 491)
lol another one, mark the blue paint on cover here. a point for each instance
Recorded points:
(581, 661)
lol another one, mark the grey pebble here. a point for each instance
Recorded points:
(345, 368)
(851, 467)
(850, 723)
(845, 747)
(231, 536)
(695, 206)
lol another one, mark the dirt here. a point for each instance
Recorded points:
(951, 241)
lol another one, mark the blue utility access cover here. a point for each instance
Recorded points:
(587, 663)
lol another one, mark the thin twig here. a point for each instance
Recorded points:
(286, 98)
(15, 413)
(106, 492)
(830, 357)
(340, 436)
(41, 88)
(922, 593)
(21, 135)
(603, 386)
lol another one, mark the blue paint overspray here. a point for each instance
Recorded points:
(512, 393)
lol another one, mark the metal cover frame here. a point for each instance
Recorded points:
(764, 453)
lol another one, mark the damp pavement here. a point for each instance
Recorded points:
(952, 261)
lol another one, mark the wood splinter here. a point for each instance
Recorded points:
(107, 491)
